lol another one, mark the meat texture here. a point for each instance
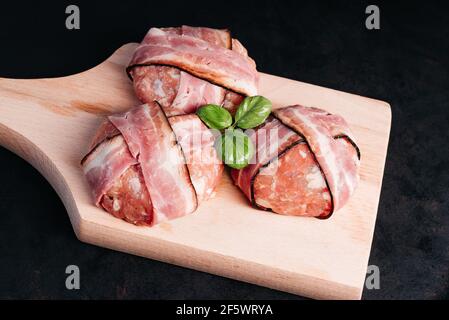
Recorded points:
(184, 68)
(139, 171)
(306, 163)
(203, 162)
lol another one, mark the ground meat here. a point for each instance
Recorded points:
(128, 198)
(293, 184)
(158, 83)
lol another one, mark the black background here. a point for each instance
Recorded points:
(322, 42)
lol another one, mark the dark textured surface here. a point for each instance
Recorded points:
(405, 63)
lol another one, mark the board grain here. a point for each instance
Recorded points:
(50, 122)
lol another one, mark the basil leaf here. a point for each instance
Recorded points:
(214, 116)
(235, 148)
(252, 112)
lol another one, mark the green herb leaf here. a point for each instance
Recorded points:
(252, 112)
(235, 148)
(214, 116)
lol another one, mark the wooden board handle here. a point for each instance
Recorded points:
(40, 118)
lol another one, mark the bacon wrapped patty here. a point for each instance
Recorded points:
(306, 163)
(186, 67)
(145, 168)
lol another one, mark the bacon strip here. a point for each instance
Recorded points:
(194, 92)
(151, 141)
(197, 143)
(218, 37)
(105, 164)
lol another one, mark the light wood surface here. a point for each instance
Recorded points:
(50, 122)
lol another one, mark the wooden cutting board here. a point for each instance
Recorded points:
(50, 122)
